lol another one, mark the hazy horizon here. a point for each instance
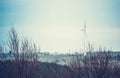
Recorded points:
(55, 25)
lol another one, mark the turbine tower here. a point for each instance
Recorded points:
(85, 37)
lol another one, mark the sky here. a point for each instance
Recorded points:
(55, 25)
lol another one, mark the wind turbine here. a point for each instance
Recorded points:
(85, 37)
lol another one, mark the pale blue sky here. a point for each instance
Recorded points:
(56, 25)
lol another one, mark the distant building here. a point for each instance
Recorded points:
(6, 56)
(43, 53)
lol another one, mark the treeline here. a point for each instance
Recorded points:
(98, 65)
(24, 62)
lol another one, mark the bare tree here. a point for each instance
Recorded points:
(25, 55)
(99, 63)
(13, 43)
(29, 55)
(93, 65)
